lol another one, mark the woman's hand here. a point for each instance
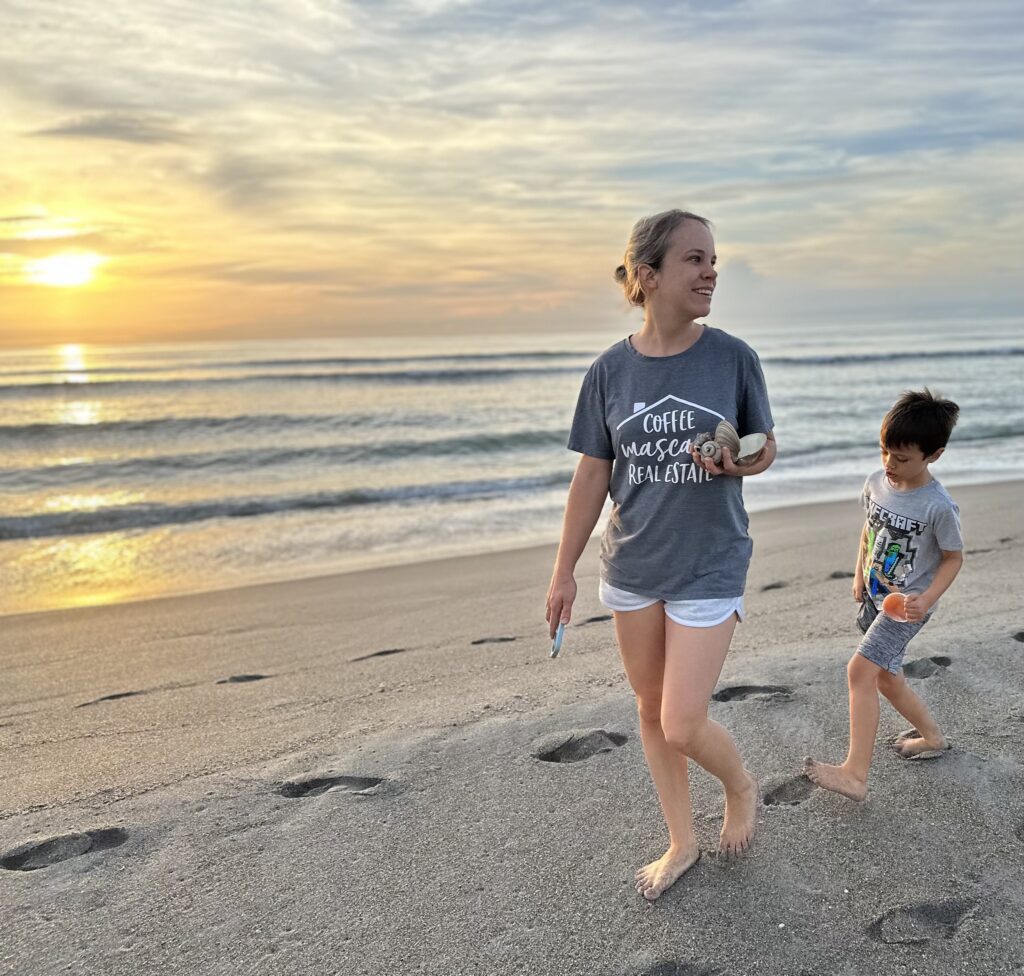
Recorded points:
(761, 461)
(561, 596)
(858, 588)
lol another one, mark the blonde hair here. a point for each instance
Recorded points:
(648, 243)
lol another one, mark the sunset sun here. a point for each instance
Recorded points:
(63, 270)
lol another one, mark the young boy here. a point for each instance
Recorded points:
(910, 544)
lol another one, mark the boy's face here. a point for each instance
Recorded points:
(906, 463)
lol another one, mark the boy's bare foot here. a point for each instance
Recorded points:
(740, 820)
(912, 745)
(835, 778)
(654, 879)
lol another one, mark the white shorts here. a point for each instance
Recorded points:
(688, 613)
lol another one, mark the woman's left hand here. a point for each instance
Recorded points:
(762, 461)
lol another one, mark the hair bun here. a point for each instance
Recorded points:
(620, 273)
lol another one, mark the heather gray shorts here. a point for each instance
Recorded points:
(886, 641)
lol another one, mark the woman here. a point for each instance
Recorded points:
(675, 552)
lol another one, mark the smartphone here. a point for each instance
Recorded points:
(556, 644)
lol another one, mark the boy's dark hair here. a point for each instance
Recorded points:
(919, 418)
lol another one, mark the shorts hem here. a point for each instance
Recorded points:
(895, 667)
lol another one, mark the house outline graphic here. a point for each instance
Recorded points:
(674, 399)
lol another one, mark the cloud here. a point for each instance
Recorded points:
(118, 127)
(456, 147)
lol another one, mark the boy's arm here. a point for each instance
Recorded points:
(858, 570)
(919, 604)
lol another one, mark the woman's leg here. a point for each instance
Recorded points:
(641, 636)
(693, 662)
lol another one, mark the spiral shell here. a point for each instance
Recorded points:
(711, 449)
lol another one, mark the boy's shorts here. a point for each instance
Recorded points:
(886, 641)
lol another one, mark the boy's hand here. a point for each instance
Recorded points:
(916, 607)
(858, 588)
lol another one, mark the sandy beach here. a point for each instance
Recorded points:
(359, 774)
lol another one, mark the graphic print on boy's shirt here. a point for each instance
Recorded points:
(664, 459)
(890, 550)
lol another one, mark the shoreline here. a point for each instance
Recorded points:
(387, 561)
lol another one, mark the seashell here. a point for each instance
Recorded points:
(749, 446)
(726, 436)
(743, 449)
(710, 449)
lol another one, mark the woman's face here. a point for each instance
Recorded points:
(686, 279)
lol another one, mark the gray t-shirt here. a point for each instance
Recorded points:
(907, 534)
(675, 531)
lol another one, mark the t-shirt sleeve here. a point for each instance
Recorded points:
(947, 529)
(754, 413)
(865, 496)
(590, 434)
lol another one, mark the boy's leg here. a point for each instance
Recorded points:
(851, 778)
(909, 704)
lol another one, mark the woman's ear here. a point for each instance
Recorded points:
(647, 277)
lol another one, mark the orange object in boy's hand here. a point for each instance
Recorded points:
(895, 605)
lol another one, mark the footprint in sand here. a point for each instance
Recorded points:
(241, 679)
(317, 785)
(777, 585)
(914, 924)
(493, 640)
(925, 667)
(840, 574)
(752, 693)
(385, 653)
(571, 747)
(599, 619)
(790, 793)
(114, 697)
(43, 853)
(1019, 636)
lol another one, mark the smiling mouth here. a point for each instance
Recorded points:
(706, 292)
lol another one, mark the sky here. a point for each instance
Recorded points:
(276, 168)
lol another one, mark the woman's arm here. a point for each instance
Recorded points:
(762, 462)
(587, 493)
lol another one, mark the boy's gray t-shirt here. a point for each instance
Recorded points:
(675, 531)
(907, 534)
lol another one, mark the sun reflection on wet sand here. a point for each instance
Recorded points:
(91, 570)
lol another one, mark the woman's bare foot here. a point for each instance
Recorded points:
(740, 820)
(835, 778)
(654, 879)
(910, 745)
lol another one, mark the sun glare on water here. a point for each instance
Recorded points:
(63, 270)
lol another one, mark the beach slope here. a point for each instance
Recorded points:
(383, 772)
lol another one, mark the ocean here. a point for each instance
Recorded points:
(136, 471)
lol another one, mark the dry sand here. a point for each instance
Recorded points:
(169, 818)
